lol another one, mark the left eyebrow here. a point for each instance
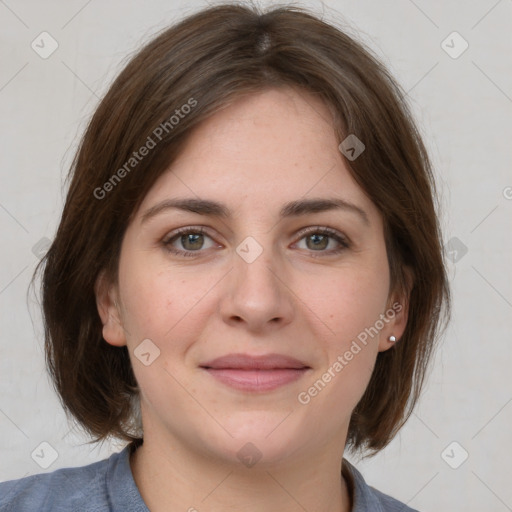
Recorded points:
(290, 209)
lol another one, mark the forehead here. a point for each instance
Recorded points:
(262, 150)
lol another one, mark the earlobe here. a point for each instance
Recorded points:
(392, 332)
(398, 314)
(109, 311)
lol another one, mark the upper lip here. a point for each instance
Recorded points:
(248, 362)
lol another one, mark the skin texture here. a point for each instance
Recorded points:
(295, 299)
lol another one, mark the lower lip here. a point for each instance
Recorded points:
(257, 380)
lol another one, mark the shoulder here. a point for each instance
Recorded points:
(390, 504)
(63, 489)
(368, 499)
(67, 489)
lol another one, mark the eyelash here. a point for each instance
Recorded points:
(199, 230)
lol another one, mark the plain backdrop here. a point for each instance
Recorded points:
(455, 451)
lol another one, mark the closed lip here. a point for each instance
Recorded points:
(253, 362)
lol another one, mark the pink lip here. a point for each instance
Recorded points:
(255, 373)
(257, 380)
(248, 362)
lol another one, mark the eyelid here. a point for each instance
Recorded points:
(202, 230)
(334, 233)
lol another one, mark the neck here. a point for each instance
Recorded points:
(172, 477)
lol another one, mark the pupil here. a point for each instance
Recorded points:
(190, 238)
(319, 238)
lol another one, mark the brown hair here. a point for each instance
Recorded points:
(205, 61)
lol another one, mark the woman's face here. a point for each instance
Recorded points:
(262, 279)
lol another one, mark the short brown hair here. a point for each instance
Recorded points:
(211, 58)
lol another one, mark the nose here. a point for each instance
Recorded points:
(257, 293)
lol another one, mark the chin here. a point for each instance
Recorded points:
(260, 436)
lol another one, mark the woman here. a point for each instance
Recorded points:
(247, 278)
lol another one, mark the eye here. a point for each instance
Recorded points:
(318, 238)
(190, 238)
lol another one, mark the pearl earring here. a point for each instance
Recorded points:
(392, 339)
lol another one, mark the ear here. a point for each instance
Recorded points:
(396, 314)
(107, 302)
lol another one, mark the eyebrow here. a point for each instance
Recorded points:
(290, 209)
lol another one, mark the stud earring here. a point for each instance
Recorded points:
(392, 339)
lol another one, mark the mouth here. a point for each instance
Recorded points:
(256, 373)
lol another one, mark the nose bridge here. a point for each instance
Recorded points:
(256, 265)
(257, 292)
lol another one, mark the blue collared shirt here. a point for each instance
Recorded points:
(108, 485)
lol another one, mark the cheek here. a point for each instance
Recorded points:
(155, 298)
(168, 307)
(348, 300)
(355, 300)
(351, 305)
(343, 384)
(162, 307)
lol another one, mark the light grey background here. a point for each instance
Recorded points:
(464, 109)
